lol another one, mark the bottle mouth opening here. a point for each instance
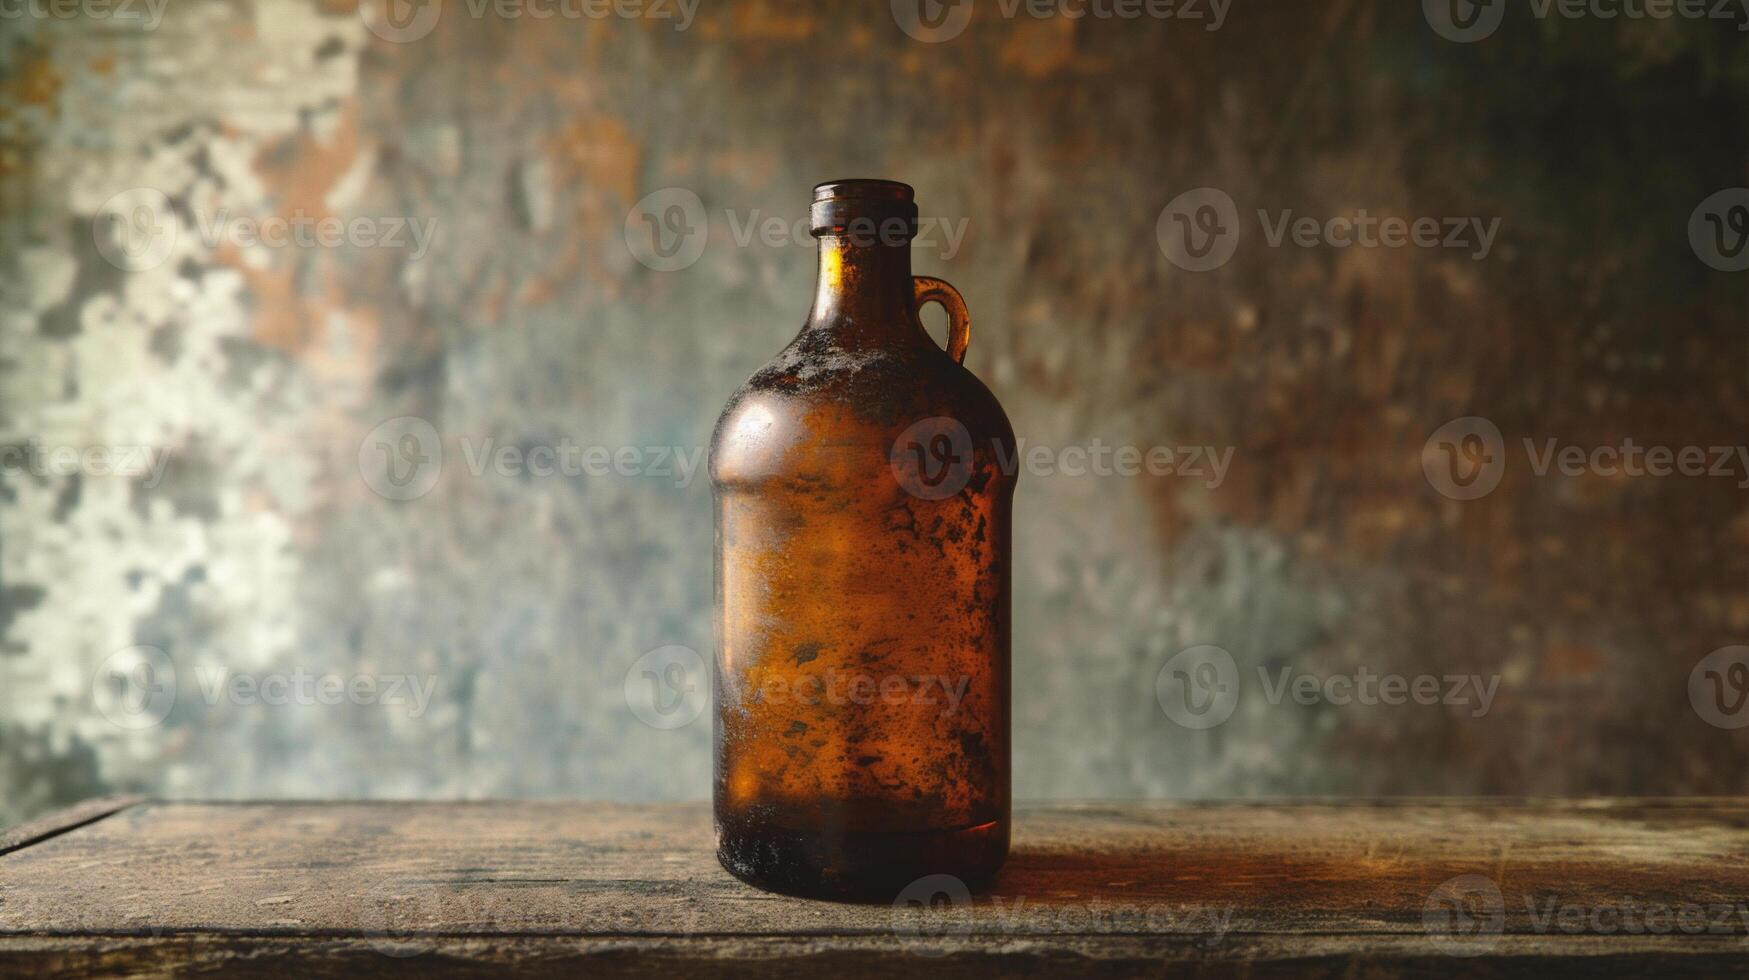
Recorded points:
(868, 211)
(863, 188)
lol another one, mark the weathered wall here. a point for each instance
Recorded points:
(535, 315)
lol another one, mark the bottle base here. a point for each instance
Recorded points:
(860, 866)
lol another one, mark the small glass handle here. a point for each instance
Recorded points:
(928, 290)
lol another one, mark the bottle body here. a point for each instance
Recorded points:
(863, 542)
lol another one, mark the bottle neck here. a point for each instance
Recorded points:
(864, 292)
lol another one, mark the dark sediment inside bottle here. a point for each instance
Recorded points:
(821, 860)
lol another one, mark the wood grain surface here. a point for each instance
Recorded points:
(1656, 888)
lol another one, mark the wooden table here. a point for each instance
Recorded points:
(1595, 888)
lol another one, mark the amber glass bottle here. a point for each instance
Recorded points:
(862, 605)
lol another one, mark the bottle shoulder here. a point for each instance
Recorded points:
(813, 397)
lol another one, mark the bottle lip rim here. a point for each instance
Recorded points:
(863, 188)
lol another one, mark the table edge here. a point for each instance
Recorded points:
(58, 822)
